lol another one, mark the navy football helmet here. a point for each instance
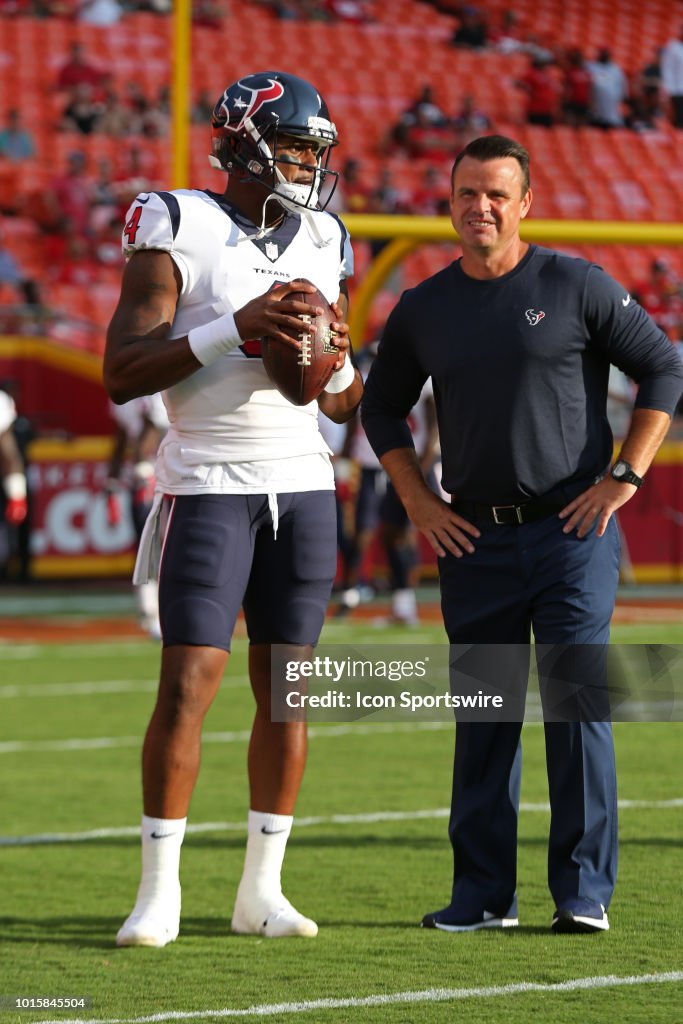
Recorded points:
(246, 123)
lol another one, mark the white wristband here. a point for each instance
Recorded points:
(15, 486)
(217, 338)
(341, 379)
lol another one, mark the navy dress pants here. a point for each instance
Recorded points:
(519, 579)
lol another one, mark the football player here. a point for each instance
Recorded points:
(140, 426)
(245, 475)
(13, 500)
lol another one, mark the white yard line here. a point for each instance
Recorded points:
(370, 818)
(103, 743)
(125, 647)
(14, 652)
(429, 995)
(357, 728)
(89, 688)
(315, 732)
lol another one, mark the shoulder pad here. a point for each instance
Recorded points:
(152, 222)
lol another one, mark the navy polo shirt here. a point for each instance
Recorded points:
(520, 367)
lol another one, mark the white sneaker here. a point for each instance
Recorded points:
(279, 920)
(155, 923)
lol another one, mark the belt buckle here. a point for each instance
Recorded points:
(498, 508)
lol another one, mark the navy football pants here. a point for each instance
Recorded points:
(521, 578)
(221, 553)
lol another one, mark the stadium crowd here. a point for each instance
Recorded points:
(73, 221)
(61, 242)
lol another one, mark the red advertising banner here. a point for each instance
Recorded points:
(70, 532)
(72, 536)
(651, 527)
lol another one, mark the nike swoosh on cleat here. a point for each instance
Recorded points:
(164, 835)
(143, 201)
(273, 832)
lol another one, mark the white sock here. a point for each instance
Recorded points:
(260, 906)
(266, 843)
(161, 842)
(404, 604)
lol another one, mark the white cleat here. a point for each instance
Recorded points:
(278, 921)
(152, 925)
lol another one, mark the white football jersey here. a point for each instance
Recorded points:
(131, 416)
(231, 430)
(417, 417)
(8, 411)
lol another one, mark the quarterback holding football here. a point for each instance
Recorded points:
(245, 488)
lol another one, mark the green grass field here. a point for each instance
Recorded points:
(369, 857)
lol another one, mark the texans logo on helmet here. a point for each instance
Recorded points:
(259, 97)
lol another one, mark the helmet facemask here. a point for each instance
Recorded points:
(251, 148)
(293, 194)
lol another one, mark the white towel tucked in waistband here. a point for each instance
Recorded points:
(149, 549)
(274, 513)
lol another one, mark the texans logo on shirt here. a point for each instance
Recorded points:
(534, 316)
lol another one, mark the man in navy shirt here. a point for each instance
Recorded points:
(518, 341)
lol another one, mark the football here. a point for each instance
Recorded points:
(301, 374)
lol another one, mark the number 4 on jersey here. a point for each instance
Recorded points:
(131, 228)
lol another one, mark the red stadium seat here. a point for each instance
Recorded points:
(369, 74)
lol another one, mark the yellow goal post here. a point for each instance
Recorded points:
(408, 233)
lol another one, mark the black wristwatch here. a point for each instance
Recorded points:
(623, 473)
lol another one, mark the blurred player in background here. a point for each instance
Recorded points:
(398, 536)
(370, 486)
(335, 437)
(140, 427)
(378, 511)
(13, 497)
(245, 475)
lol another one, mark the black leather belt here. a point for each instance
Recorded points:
(508, 515)
(529, 511)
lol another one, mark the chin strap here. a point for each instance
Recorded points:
(307, 216)
(290, 204)
(286, 192)
(263, 230)
(312, 225)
